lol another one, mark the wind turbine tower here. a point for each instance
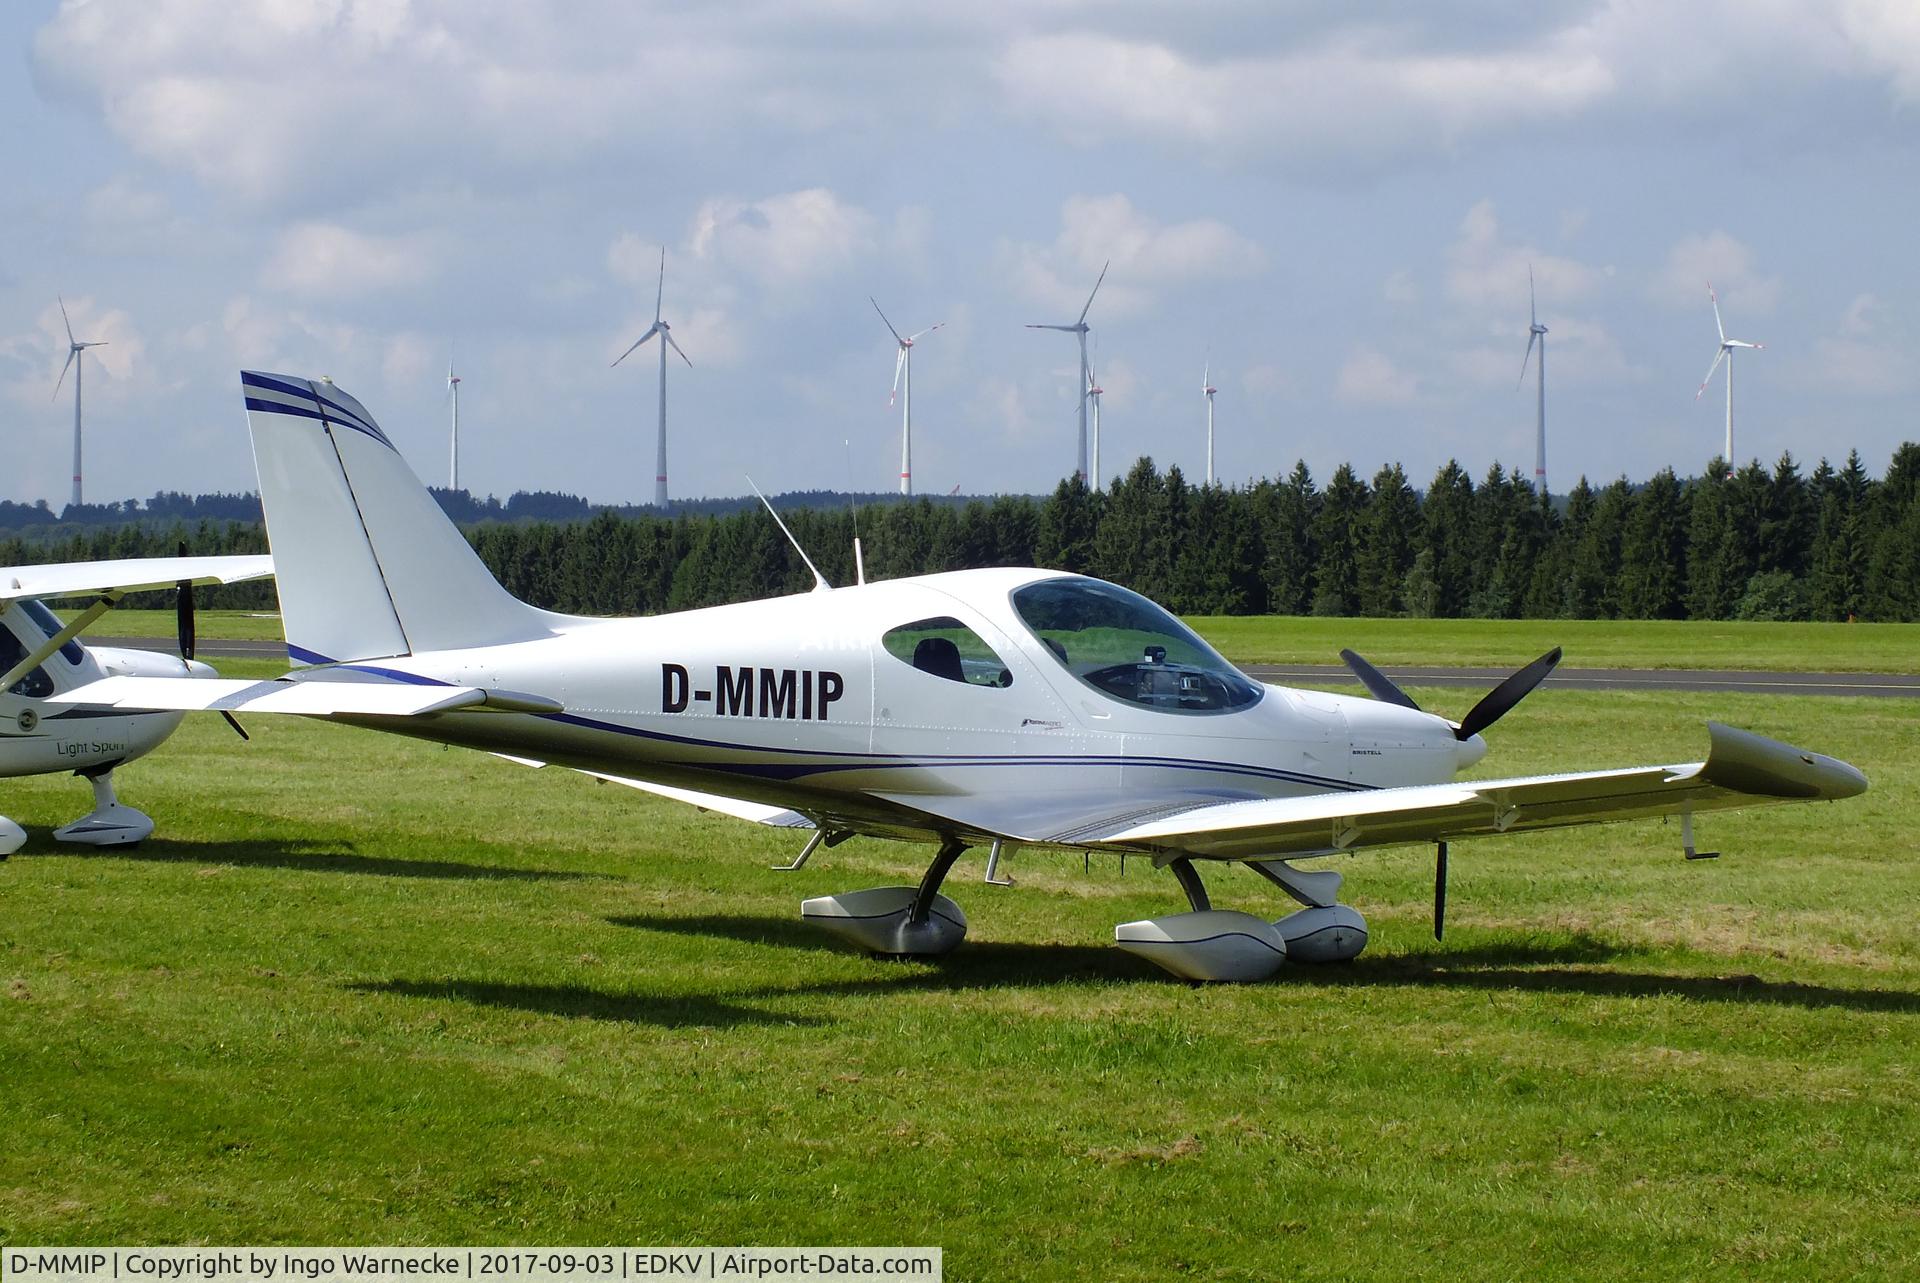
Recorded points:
(903, 384)
(665, 332)
(1094, 391)
(75, 349)
(1725, 353)
(1536, 332)
(1080, 328)
(453, 445)
(1207, 390)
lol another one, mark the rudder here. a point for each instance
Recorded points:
(367, 564)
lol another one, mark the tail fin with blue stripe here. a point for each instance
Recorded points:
(367, 564)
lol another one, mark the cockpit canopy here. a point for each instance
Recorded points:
(1129, 649)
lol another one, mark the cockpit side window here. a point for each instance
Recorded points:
(1129, 649)
(944, 647)
(51, 625)
(36, 684)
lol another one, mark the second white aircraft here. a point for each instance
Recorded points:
(978, 708)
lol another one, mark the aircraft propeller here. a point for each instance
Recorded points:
(1494, 705)
(184, 630)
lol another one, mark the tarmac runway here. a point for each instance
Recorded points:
(1887, 685)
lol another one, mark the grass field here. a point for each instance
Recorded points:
(360, 989)
(1270, 639)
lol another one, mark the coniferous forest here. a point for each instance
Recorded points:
(1763, 543)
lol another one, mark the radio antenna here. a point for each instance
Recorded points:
(859, 561)
(820, 583)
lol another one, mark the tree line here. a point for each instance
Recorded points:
(1758, 543)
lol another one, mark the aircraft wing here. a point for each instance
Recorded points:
(1742, 769)
(136, 574)
(306, 697)
(759, 812)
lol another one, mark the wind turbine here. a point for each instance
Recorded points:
(453, 448)
(1536, 332)
(1080, 328)
(1094, 391)
(74, 350)
(1207, 390)
(903, 373)
(1725, 353)
(665, 332)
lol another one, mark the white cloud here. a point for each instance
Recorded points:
(1719, 258)
(1370, 378)
(1869, 355)
(327, 261)
(1886, 33)
(1143, 254)
(781, 241)
(1352, 88)
(1485, 271)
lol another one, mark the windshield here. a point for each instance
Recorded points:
(1129, 649)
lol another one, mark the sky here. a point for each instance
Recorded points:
(1332, 208)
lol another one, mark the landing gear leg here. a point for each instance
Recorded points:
(916, 921)
(109, 823)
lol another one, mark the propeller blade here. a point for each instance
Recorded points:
(71, 353)
(667, 334)
(884, 321)
(183, 612)
(1377, 682)
(899, 363)
(1531, 336)
(1440, 891)
(636, 344)
(234, 722)
(1715, 298)
(1718, 357)
(1096, 289)
(1496, 703)
(63, 319)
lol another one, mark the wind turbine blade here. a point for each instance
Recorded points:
(1533, 317)
(636, 344)
(1715, 298)
(71, 353)
(660, 290)
(1531, 336)
(1718, 357)
(667, 334)
(1742, 343)
(63, 319)
(1206, 376)
(1096, 289)
(1064, 329)
(899, 363)
(937, 325)
(884, 321)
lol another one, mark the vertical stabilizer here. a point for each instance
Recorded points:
(366, 562)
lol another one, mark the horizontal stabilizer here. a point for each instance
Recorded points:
(1742, 769)
(131, 574)
(307, 698)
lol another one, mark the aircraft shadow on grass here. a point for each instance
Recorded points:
(668, 1011)
(1569, 964)
(325, 857)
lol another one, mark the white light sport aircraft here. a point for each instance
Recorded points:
(43, 660)
(986, 707)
